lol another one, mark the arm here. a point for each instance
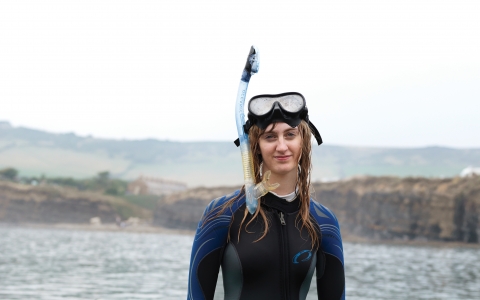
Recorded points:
(208, 244)
(330, 263)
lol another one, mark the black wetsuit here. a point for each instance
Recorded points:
(279, 266)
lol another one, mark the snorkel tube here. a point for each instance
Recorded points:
(253, 192)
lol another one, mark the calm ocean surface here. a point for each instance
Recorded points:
(63, 264)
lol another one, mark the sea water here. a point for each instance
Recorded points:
(67, 264)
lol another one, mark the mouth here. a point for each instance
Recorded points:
(282, 157)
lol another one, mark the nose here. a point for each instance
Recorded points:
(281, 145)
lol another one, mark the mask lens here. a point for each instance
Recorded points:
(291, 103)
(261, 106)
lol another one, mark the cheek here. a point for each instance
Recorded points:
(266, 150)
(298, 150)
(299, 153)
(262, 149)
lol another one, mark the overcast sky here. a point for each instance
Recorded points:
(374, 73)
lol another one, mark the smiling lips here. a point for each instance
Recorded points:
(282, 157)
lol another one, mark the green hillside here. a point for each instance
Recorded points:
(34, 152)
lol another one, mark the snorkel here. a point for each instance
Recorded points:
(253, 192)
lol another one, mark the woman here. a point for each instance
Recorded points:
(273, 253)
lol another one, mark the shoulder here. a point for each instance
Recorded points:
(322, 214)
(217, 204)
(217, 216)
(329, 227)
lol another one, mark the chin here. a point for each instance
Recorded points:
(284, 170)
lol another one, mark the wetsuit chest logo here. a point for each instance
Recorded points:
(304, 254)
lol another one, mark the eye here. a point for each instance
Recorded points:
(269, 137)
(291, 134)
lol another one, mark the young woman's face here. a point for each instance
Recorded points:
(281, 148)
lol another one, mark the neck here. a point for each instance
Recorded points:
(287, 182)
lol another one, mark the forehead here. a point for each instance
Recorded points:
(279, 127)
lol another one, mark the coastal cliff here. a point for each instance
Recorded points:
(373, 208)
(21, 203)
(409, 208)
(183, 210)
(378, 208)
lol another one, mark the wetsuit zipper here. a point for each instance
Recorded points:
(284, 240)
(282, 220)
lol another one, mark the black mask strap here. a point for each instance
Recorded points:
(246, 129)
(315, 133)
(247, 126)
(314, 130)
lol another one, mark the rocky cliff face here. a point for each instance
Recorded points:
(47, 204)
(410, 208)
(372, 207)
(184, 210)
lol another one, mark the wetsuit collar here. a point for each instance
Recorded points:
(290, 197)
(280, 204)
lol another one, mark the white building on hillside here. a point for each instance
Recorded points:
(470, 171)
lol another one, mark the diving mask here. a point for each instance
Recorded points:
(290, 108)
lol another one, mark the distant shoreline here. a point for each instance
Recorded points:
(102, 227)
(162, 230)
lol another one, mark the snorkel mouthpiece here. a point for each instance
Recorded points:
(252, 192)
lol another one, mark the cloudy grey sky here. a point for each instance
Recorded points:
(374, 73)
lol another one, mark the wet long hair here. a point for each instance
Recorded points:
(302, 186)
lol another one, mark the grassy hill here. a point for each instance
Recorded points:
(34, 152)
